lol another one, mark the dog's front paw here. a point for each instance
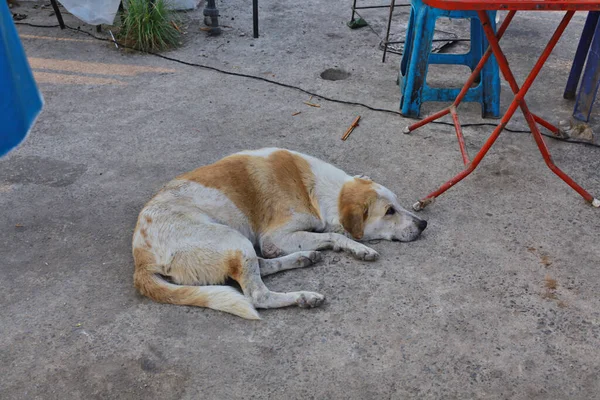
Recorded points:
(307, 258)
(310, 300)
(363, 252)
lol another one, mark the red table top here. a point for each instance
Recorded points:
(531, 5)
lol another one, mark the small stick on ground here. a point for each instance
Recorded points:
(349, 131)
(176, 27)
(312, 104)
(296, 113)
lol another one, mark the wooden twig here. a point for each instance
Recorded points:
(310, 103)
(296, 113)
(175, 26)
(349, 131)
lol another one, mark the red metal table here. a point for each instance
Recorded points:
(512, 6)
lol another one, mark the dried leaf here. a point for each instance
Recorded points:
(545, 259)
(550, 283)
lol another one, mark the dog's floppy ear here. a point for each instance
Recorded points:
(355, 199)
(352, 218)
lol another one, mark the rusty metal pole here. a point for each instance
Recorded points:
(211, 18)
(255, 18)
(58, 14)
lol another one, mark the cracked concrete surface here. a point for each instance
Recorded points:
(498, 299)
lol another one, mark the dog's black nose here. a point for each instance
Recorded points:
(422, 224)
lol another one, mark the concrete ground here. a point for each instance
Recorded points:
(497, 300)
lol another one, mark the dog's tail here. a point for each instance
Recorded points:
(222, 298)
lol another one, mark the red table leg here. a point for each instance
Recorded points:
(518, 101)
(520, 95)
(459, 136)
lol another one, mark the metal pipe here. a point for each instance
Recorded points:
(387, 32)
(212, 14)
(255, 17)
(58, 14)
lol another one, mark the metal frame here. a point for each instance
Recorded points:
(391, 7)
(255, 18)
(58, 14)
(386, 41)
(518, 101)
(211, 13)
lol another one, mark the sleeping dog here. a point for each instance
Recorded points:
(206, 226)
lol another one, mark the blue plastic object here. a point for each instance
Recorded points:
(20, 99)
(589, 47)
(417, 56)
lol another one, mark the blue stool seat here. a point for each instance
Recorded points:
(417, 56)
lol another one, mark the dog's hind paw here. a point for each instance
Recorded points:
(310, 300)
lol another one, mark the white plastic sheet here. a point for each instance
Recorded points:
(94, 12)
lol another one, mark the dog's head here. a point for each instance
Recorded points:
(370, 211)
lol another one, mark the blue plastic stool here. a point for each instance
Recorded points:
(590, 41)
(417, 56)
(20, 100)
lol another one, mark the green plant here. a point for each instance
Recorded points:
(148, 25)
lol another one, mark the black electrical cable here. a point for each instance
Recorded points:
(259, 78)
(37, 26)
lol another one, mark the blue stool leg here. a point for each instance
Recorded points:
(408, 41)
(417, 56)
(417, 67)
(477, 38)
(581, 53)
(476, 51)
(589, 82)
(490, 78)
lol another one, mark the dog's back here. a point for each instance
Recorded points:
(264, 188)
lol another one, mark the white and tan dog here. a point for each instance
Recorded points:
(203, 227)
